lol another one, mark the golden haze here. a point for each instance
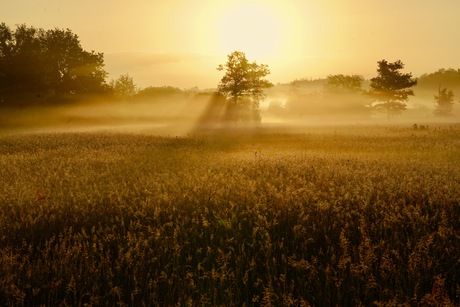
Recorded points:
(295, 38)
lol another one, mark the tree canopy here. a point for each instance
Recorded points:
(390, 88)
(124, 86)
(449, 78)
(243, 84)
(344, 84)
(35, 63)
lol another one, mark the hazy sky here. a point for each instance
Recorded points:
(181, 42)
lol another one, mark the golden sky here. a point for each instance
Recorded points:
(181, 42)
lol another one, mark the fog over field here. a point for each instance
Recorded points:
(311, 62)
(185, 112)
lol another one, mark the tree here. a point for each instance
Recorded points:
(35, 63)
(444, 102)
(449, 78)
(343, 84)
(19, 65)
(343, 96)
(159, 92)
(390, 88)
(74, 71)
(243, 84)
(124, 86)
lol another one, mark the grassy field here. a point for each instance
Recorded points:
(323, 216)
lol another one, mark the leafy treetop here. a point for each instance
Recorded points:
(344, 83)
(391, 88)
(39, 63)
(243, 78)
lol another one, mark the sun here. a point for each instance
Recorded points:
(252, 28)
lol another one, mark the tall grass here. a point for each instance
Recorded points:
(336, 216)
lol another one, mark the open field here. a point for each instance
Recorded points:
(345, 215)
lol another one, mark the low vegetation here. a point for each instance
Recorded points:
(327, 216)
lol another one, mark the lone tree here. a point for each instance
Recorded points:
(444, 102)
(124, 86)
(391, 87)
(243, 84)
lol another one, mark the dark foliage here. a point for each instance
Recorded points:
(391, 88)
(38, 66)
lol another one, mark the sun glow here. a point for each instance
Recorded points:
(252, 28)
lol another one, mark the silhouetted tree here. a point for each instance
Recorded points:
(35, 63)
(20, 61)
(74, 70)
(124, 86)
(390, 88)
(243, 84)
(444, 102)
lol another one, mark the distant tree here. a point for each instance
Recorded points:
(344, 84)
(444, 102)
(162, 91)
(308, 83)
(37, 63)
(390, 88)
(124, 86)
(243, 84)
(449, 78)
(344, 98)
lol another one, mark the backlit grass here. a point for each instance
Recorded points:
(325, 216)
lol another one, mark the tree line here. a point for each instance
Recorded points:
(388, 91)
(38, 65)
(44, 66)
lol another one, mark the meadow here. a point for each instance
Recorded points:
(321, 216)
